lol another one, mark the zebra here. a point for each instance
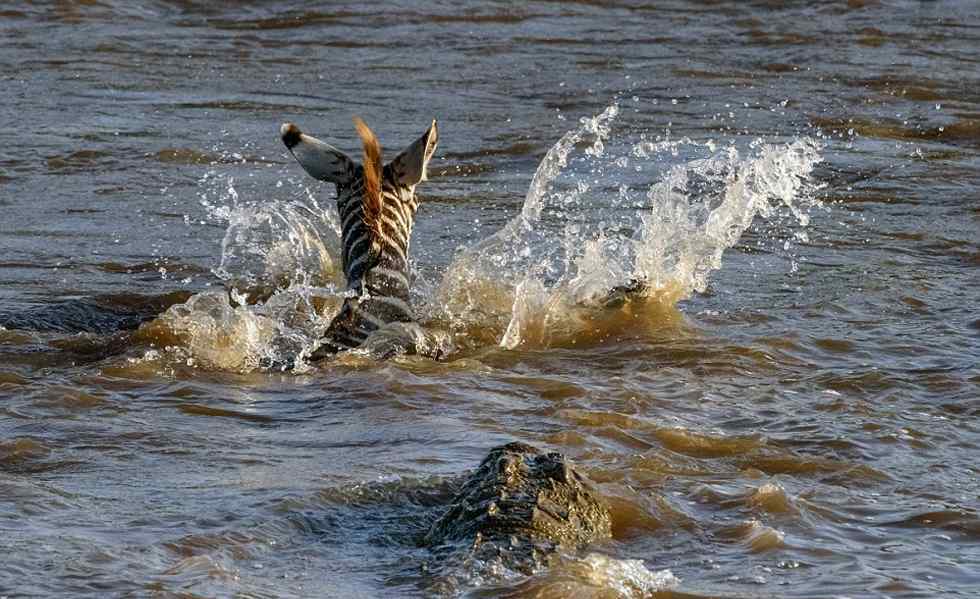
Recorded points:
(377, 206)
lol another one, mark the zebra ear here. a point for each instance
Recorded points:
(322, 161)
(409, 166)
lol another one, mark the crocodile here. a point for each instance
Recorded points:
(517, 510)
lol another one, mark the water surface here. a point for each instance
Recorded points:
(790, 413)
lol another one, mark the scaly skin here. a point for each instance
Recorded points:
(519, 507)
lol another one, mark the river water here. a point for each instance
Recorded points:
(789, 411)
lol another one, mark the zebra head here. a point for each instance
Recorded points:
(326, 163)
(377, 205)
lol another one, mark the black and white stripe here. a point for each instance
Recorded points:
(375, 264)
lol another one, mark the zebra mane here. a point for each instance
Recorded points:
(372, 175)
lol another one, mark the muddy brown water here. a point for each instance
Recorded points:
(803, 424)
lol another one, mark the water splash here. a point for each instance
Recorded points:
(702, 207)
(280, 265)
(277, 242)
(614, 231)
(619, 215)
(218, 330)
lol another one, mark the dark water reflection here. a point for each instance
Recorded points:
(795, 432)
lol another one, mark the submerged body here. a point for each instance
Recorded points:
(377, 206)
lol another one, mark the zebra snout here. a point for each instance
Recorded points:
(290, 134)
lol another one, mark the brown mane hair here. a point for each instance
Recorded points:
(372, 175)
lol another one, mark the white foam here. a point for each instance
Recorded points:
(284, 250)
(627, 577)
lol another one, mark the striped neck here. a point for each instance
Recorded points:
(376, 261)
